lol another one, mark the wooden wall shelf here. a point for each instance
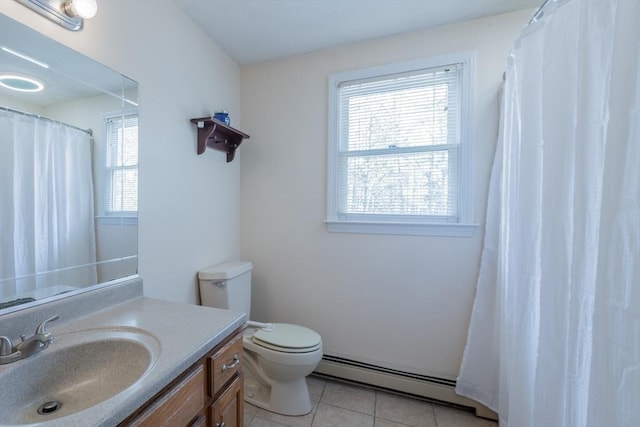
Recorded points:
(217, 135)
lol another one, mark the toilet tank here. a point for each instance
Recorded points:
(227, 285)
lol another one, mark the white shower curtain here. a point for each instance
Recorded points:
(46, 205)
(554, 338)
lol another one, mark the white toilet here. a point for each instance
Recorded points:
(277, 356)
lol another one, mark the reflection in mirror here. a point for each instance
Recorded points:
(68, 171)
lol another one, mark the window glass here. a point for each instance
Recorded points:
(121, 177)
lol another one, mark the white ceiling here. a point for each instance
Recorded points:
(252, 31)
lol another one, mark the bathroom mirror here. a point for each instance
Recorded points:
(68, 171)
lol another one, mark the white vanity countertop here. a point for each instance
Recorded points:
(184, 332)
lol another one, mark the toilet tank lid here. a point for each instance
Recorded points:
(225, 271)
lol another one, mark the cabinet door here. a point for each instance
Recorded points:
(200, 421)
(227, 410)
(179, 406)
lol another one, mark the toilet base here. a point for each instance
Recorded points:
(285, 398)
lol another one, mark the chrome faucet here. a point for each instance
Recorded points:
(27, 346)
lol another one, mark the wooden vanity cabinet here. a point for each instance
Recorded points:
(208, 394)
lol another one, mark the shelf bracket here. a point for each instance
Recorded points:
(215, 134)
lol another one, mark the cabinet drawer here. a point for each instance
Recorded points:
(224, 364)
(179, 406)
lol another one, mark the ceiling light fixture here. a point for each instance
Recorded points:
(68, 13)
(20, 83)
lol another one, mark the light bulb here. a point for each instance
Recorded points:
(85, 9)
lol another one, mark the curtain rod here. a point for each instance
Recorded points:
(89, 131)
(538, 13)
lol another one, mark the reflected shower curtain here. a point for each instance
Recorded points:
(554, 338)
(46, 205)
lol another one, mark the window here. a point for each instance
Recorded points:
(398, 148)
(121, 174)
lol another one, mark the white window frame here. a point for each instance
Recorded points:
(463, 227)
(130, 216)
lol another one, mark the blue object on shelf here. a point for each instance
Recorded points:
(223, 116)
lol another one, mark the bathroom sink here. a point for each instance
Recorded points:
(78, 371)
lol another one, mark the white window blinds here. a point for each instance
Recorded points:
(121, 177)
(398, 142)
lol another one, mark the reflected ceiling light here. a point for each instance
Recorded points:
(25, 57)
(20, 83)
(68, 13)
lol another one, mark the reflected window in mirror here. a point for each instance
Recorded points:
(121, 169)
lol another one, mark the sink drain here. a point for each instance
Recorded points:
(49, 407)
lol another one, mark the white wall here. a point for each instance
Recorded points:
(188, 207)
(397, 301)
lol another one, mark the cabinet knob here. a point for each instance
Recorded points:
(220, 424)
(236, 362)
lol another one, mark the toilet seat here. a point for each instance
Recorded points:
(287, 338)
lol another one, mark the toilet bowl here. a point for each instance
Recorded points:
(276, 366)
(276, 359)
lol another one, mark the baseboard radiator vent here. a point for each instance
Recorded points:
(422, 386)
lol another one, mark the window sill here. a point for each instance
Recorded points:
(117, 220)
(409, 229)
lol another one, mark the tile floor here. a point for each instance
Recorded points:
(338, 404)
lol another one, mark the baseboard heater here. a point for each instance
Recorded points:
(424, 386)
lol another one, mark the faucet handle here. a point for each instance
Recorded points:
(6, 347)
(41, 327)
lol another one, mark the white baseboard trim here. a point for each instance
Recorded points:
(427, 387)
